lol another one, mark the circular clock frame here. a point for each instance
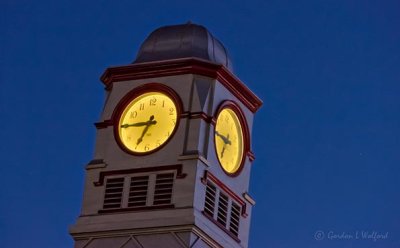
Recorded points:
(131, 96)
(228, 104)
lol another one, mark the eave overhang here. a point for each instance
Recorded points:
(179, 67)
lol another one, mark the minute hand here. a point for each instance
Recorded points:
(224, 139)
(139, 124)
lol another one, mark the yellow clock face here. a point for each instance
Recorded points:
(229, 140)
(147, 122)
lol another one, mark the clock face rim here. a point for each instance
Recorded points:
(231, 105)
(130, 97)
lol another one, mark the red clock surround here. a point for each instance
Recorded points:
(145, 88)
(228, 104)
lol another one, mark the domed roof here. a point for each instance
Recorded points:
(183, 41)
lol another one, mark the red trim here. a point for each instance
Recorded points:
(190, 115)
(104, 124)
(197, 115)
(251, 156)
(118, 210)
(183, 66)
(222, 227)
(103, 174)
(149, 87)
(209, 176)
(245, 131)
(214, 121)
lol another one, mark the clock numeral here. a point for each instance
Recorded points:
(147, 147)
(168, 134)
(174, 121)
(227, 118)
(158, 143)
(153, 102)
(141, 107)
(171, 111)
(163, 103)
(133, 115)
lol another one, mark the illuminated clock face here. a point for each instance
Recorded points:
(229, 140)
(147, 122)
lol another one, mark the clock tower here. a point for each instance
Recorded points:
(172, 159)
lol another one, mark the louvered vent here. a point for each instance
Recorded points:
(235, 218)
(163, 189)
(222, 209)
(138, 191)
(209, 205)
(113, 194)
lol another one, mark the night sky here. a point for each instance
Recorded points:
(327, 139)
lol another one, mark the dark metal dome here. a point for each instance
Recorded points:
(183, 41)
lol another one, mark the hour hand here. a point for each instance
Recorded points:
(223, 150)
(150, 122)
(143, 133)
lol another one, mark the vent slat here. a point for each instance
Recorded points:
(138, 191)
(166, 175)
(163, 189)
(234, 226)
(163, 195)
(113, 193)
(235, 219)
(141, 183)
(113, 201)
(114, 180)
(225, 207)
(210, 199)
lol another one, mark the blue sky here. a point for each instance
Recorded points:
(327, 138)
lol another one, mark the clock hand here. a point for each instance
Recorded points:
(223, 150)
(224, 147)
(224, 139)
(150, 122)
(140, 124)
(143, 133)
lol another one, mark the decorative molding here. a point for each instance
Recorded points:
(177, 167)
(195, 157)
(209, 176)
(200, 115)
(249, 199)
(133, 233)
(95, 164)
(183, 66)
(205, 161)
(145, 208)
(206, 238)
